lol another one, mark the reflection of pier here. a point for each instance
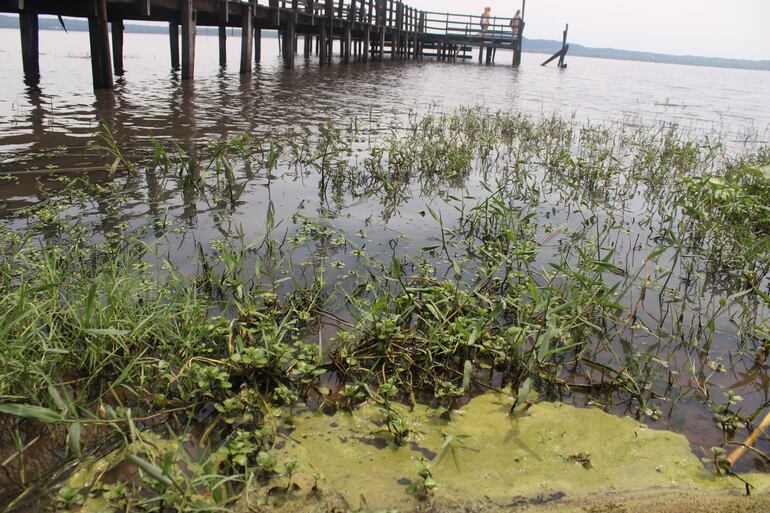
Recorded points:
(366, 29)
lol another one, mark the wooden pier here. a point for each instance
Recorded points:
(366, 30)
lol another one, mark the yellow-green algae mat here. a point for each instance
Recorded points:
(551, 457)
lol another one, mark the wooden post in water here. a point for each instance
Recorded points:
(309, 37)
(328, 39)
(173, 37)
(347, 43)
(188, 39)
(224, 17)
(222, 46)
(382, 43)
(257, 45)
(410, 35)
(117, 47)
(293, 16)
(288, 42)
(323, 46)
(563, 48)
(30, 47)
(354, 42)
(367, 43)
(393, 25)
(246, 39)
(421, 31)
(518, 38)
(101, 67)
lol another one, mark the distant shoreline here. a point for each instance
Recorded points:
(539, 46)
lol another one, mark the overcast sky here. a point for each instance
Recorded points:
(726, 28)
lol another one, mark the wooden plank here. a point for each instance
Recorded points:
(30, 47)
(144, 7)
(117, 47)
(246, 39)
(99, 37)
(367, 43)
(188, 39)
(173, 37)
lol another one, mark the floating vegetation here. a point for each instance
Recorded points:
(163, 358)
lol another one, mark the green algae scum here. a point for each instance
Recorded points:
(471, 310)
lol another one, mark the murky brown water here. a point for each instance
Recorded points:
(150, 100)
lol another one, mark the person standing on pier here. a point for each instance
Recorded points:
(485, 18)
(516, 24)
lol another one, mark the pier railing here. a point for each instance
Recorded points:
(464, 27)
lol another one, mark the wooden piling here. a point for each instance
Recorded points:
(394, 31)
(224, 18)
(117, 47)
(246, 40)
(328, 40)
(289, 42)
(30, 47)
(347, 44)
(99, 36)
(309, 37)
(173, 36)
(222, 46)
(382, 43)
(563, 48)
(188, 39)
(323, 45)
(367, 43)
(257, 45)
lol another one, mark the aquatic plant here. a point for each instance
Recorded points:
(598, 263)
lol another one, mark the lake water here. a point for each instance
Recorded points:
(150, 100)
